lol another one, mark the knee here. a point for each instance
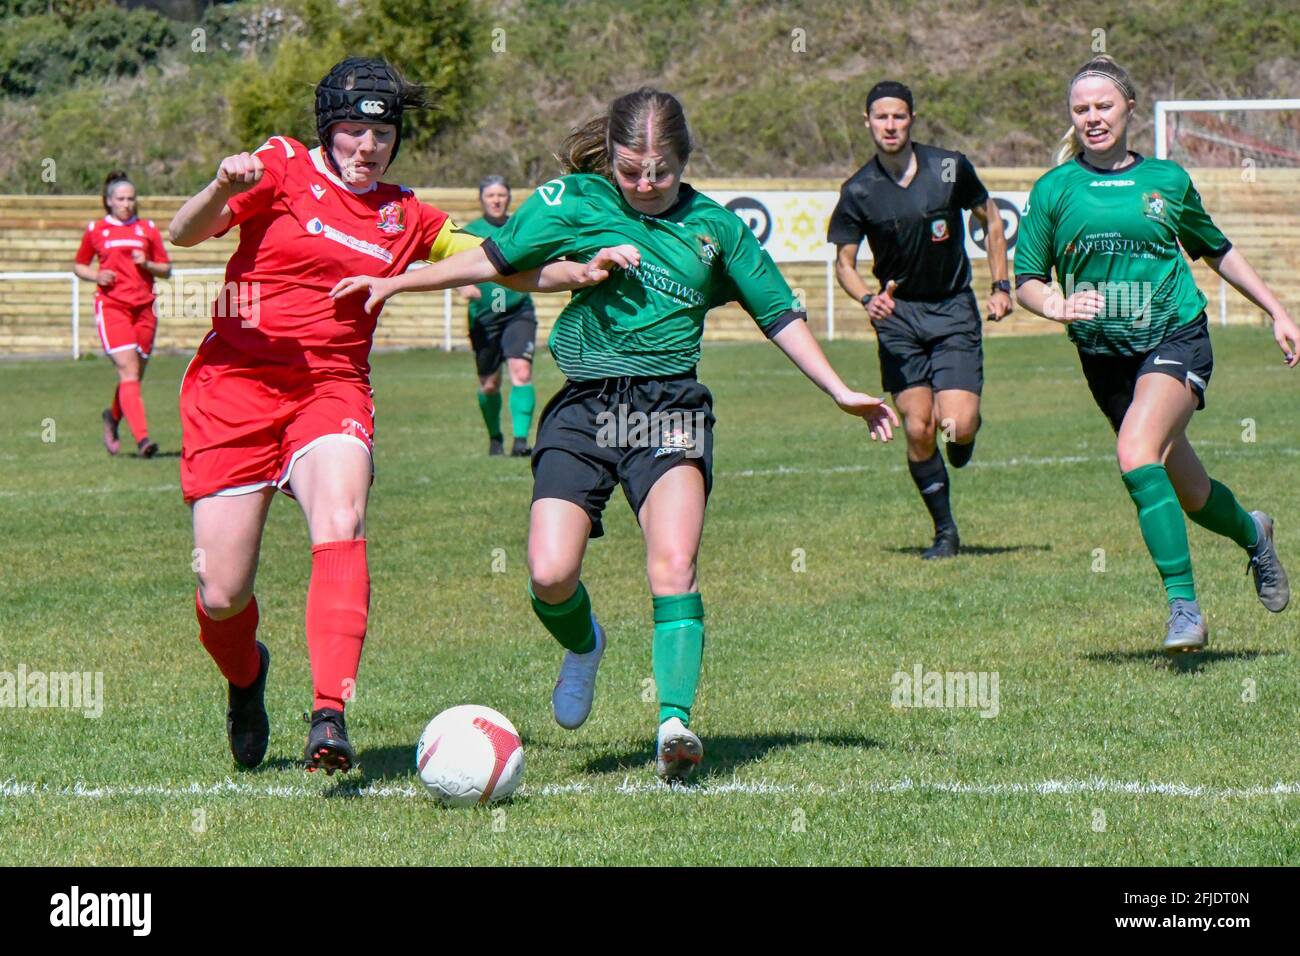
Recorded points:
(490, 387)
(554, 579)
(672, 573)
(1134, 453)
(521, 374)
(339, 523)
(920, 432)
(128, 375)
(220, 600)
(961, 430)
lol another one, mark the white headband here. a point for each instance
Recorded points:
(1123, 87)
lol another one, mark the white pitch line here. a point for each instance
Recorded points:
(628, 787)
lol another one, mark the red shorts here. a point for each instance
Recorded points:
(123, 327)
(245, 422)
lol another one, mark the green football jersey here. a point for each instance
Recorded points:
(1118, 232)
(646, 321)
(497, 300)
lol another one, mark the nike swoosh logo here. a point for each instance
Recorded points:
(1159, 361)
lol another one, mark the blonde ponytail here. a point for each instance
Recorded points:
(1067, 147)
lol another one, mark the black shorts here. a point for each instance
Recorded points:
(937, 344)
(510, 336)
(629, 431)
(1185, 355)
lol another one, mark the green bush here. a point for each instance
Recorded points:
(439, 46)
(44, 53)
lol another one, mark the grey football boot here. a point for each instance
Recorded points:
(1270, 577)
(1186, 628)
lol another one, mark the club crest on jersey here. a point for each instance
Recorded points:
(317, 190)
(1155, 207)
(939, 230)
(390, 218)
(708, 248)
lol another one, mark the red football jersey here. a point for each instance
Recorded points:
(301, 231)
(113, 241)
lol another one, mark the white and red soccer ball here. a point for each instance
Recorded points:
(470, 755)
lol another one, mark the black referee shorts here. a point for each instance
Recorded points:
(1185, 355)
(620, 431)
(512, 335)
(938, 344)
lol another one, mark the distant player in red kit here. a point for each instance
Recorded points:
(131, 256)
(278, 394)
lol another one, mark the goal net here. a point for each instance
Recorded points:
(1229, 133)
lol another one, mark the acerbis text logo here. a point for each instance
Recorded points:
(103, 909)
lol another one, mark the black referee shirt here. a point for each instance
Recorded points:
(917, 235)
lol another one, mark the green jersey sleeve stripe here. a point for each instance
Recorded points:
(1212, 253)
(782, 321)
(497, 259)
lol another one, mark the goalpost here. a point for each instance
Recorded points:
(1257, 141)
(1229, 133)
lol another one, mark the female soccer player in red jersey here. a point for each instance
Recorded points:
(131, 256)
(278, 394)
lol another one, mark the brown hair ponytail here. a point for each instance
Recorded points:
(637, 121)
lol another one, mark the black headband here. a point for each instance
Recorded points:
(890, 89)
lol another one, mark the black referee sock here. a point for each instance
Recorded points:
(959, 455)
(931, 477)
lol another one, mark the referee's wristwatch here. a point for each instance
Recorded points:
(1002, 285)
(866, 299)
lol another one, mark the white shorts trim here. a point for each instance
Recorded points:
(240, 490)
(284, 485)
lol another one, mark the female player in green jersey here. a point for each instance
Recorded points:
(632, 411)
(1111, 223)
(502, 327)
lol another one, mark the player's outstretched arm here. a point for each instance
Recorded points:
(1241, 275)
(798, 343)
(473, 266)
(205, 214)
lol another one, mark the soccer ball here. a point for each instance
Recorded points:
(470, 755)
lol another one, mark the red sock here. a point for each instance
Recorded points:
(338, 606)
(117, 404)
(128, 394)
(232, 642)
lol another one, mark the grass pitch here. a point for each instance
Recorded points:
(1102, 751)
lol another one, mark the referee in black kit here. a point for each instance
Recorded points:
(908, 202)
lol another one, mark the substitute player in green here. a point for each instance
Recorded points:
(502, 327)
(1111, 222)
(908, 203)
(632, 412)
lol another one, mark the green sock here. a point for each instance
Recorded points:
(1163, 528)
(1223, 515)
(490, 406)
(523, 399)
(569, 622)
(678, 652)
